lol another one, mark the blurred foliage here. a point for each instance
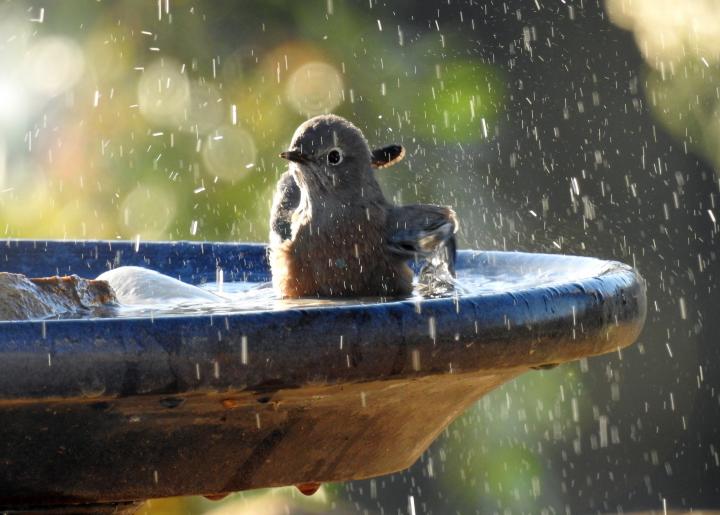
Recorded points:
(172, 127)
(688, 106)
(683, 66)
(503, 469)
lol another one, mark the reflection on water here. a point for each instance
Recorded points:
(235, 297)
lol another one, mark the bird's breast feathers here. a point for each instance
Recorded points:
(342, 256)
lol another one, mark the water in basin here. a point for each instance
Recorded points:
(167, 296)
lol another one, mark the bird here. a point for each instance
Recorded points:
(332, 231)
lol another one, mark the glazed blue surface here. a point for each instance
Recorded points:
(296, 345)
(191, 262)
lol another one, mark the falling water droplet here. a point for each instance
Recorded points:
(308, 488)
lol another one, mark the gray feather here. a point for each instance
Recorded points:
(285, 202)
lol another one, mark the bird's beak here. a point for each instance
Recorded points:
(294, 155)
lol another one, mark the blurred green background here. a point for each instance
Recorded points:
(136, 118)
(568, 126)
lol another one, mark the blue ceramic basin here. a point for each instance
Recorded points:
(121, 409)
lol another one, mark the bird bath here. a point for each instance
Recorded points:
(115, 410)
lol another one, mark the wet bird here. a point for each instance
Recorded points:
(333, 233)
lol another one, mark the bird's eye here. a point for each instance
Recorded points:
(334, 157)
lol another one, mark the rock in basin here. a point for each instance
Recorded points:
(22, 298)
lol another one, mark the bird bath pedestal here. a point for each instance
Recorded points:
(98, 414)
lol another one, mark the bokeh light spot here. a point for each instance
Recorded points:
(147, 211)
(229, 153)
(12, 103)
(206, 109)
(53, 65)
(164, 92)
(315, 88)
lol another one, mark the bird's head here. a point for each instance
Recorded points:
(331, 155)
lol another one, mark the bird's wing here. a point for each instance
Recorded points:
(285, 202)
(419, 230)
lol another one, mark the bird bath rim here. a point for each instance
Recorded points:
(256, 255)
